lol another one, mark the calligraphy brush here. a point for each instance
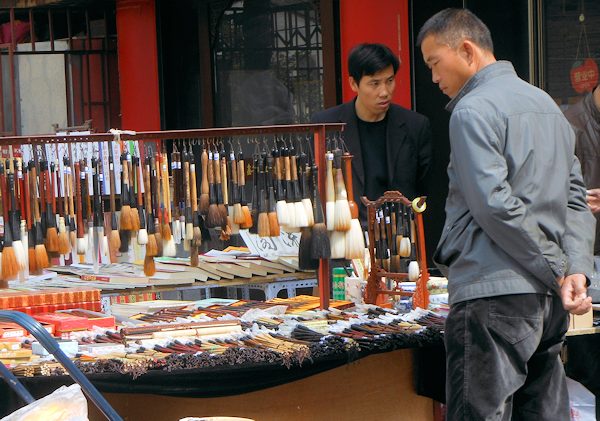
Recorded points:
(71, 205)
(379, 255)
(23, 200)
(196, 233)
(281, 206)
(135, 215)
(329, 193)
(189, 225)
(320, 246)
(156, 203)
(383, 223)
(64, 245)
(142, 237)
(343, 218)
(213, 217)
(103, 238)
(405, 243)
(246, 221)
(30, 220)
(305, 259)
(235, 208)
(41, 255)
(274, 228)
(219, 188)
(355, 240)
(204, 186)
(51, 232)
(253, 229)
(413, 266)
(300, 218)
(15, 224)
(81, 241)
(175, 178)
(55, 191)
(290, 218)
(10, 265)
(261, 202)
(169, 248)
(114, 238)
(126, 224)
(151, 246)
(395, 257)
(306, 201)
(226, 228)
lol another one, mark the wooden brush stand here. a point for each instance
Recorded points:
(378, 271)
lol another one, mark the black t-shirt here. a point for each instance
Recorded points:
(373, 146)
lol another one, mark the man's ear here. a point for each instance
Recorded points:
(353, 84)
(467, 51)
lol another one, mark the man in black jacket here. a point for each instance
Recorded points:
(391, 145)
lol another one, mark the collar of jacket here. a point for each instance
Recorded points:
(489, 72)
(396, 130)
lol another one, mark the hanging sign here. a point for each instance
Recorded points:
(584, 75)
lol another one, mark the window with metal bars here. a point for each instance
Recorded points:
(268, 61)
(58, 66)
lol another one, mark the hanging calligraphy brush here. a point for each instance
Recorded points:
(169, 248)
(81, 241)
(246, 221)
(204, 186)
(133, 171)
(98, 225)
(71, 206)
(51, 232)
(176, 183)
(41, 255)
(305, 260)
(189, 225)
(306, 194)
(289, 189)
(342, 210)
(30, 220)
(329, 193)
(320, 246)
(281, 206)
(226, 228)
(395, 257)
(213, 218)
(104, 239)
(255, 195)
(413, 266)
(261, 201)
(405, 248)
(151, 247)
(235, 208)
(10, 265)
(126, 224)
(196, 233)
(355, 240)
(379, 253)
(156, 203)
(114, 238)
(300, 218)
(142, 237)
(64, 245)
(15, 224)
(23, 200)
(274, 229)
(384, 223)
(55, 191)
(218, 189)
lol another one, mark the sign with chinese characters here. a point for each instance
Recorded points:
(584, 75)
(272, 247)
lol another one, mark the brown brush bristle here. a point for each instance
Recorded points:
(194, 259)
(159, 243)
(223, 212)
(73, 239)
(151, 247)
(166, 232)
(135, 219)
(149, 266)
(126, 223)
(52, 240)
(114, 240)
(263, 225)
(238, 214)
(32, 263)
(247, 223)
(214, 216)
(305, 259)
(10, 266)
(225, 233)
(41, 257)
(320, 247)
(125, 239)
(204, 203)
(197, 240)
(274, 229)
(64, 246)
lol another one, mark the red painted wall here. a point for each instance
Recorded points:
(138, 64)
(381, 21)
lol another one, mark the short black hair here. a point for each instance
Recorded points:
(368, 59)
(450, 26)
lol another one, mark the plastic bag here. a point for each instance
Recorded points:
(582, 401)
(64, 404)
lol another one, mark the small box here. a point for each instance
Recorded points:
(68, 347)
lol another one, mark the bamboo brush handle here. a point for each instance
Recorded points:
(124, 181)
(286, 164)
(224, 180)
(241, 173)
(234, 181)
(330, 191)
(217, 168)
(186, 184)
(111, 182)
(27, 192)
(294, 168)
(139, 180)
(147, 192)
(71, 192)
(278, 174)
(78, 200)
(347, 163)
(192, 173)
(204, 164)
(165, 185)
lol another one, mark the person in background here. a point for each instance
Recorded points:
(517, 243)
(584, 117)
(391, 145)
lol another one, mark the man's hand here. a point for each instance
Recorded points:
(593, 200)
(573, 293)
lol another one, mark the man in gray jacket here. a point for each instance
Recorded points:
(517, 243)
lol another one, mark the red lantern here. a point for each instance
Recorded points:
(584, 75)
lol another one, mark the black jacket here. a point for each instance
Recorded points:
(408, 149)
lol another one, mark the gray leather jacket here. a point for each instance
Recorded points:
(516, 215)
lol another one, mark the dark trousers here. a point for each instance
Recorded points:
(502, 359)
